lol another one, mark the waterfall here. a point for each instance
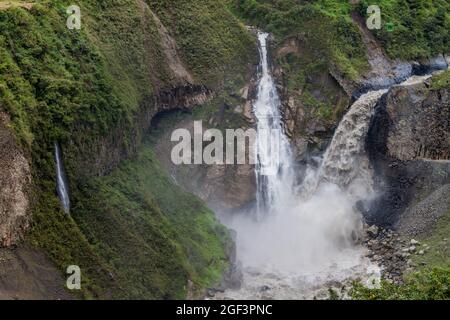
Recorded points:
(306, 235)
(345, 162)
(302, 238)
(273, 167)
(297, 239)
(61, 184)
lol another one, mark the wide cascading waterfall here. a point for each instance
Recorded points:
(345, 162)
(61, 184)
(273, 153)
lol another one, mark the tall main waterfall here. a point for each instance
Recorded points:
(298, 240)
(61, 184)
(273, 153)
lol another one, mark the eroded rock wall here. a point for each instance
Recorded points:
(408, 144)
(15, 184)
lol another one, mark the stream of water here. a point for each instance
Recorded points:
(61, 184)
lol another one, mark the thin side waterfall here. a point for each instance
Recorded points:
(273, 168)
(61, 183)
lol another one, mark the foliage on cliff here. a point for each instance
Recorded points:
(330, 34)
(79, 86)
(441, 81)
(412, 29)
(211, 39)
(154, 241)
(431, 284)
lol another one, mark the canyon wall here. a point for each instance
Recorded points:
(15, 187)
(409, 144)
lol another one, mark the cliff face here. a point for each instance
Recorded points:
(96, 91)
(225, 187)
(313, 101)
(15, 184)
(409, 144)
(418, 127)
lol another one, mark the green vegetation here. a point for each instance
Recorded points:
(441, 80)
(430, 281)
(431, 284)
(421, 28)
(154, 241)
(438, 254)
(330, 34)
(308, 81)
(133, 233)
(211, 39)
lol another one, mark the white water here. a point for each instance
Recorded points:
(345, 162)
(301, 239)
(304, 237)
(274, 170)
(61, 185)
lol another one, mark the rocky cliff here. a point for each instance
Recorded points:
(408, 144)
(96, 94)
(15, 187)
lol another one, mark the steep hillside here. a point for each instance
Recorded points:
(325, 56)
(95, 91)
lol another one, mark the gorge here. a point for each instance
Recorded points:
(352, 173)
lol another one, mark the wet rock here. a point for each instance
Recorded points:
(410, 129)
(373, 231)
(264, 288)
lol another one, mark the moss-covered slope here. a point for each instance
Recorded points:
(133, 233)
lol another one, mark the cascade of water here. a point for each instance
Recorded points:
(345, 162)
(61, 184)
(274, 157)
(305, 238)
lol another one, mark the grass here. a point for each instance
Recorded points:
(421, 29)
(214, 44)
(155, 242)
(430, 284)
(429, 281)
(441, 81)
(439, 243)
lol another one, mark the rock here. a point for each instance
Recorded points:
(373, 231)
(15, 183)
(264, 288)
(239, 109)
(410, 128)
(210, 293)
(414, 242)
(412, 249)
(421, 252)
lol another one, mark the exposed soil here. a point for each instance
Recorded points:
(26, 274)
(9, 4)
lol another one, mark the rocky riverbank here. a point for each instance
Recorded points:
(393, 253)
